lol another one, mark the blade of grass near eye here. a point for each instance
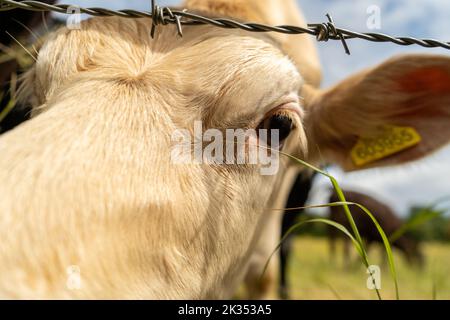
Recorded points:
(345, 204)
(338, 190)
(348, 214)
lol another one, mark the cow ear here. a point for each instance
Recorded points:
(391, 114)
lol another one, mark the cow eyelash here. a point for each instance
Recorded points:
(281, 121)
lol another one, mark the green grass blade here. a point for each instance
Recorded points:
(387, 247)
(334, 224)
(386, 242)
(12, 102)
(353, 226)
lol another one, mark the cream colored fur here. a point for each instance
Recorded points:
(88, 181)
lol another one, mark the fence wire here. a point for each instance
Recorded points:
(165, 15)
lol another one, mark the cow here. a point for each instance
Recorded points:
(386, 217)
(88, 183)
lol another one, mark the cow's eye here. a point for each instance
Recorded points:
(280, 122)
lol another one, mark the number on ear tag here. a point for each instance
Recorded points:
(391, 140)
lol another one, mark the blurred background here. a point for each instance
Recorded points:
(419, 189)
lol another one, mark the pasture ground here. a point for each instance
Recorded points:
(314, 276)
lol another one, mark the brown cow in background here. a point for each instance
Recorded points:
(385, 216)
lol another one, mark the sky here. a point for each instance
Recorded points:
(418, 183)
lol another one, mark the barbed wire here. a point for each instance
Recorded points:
(165, 15)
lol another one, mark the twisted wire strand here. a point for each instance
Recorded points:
(164, 15)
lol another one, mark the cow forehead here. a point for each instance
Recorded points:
(208, 68)
(232, 74)
(213, 70)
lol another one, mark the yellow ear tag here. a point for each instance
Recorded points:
(391, 140)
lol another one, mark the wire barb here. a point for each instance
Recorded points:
(164, 16)
(326, 31)
(322, 32)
